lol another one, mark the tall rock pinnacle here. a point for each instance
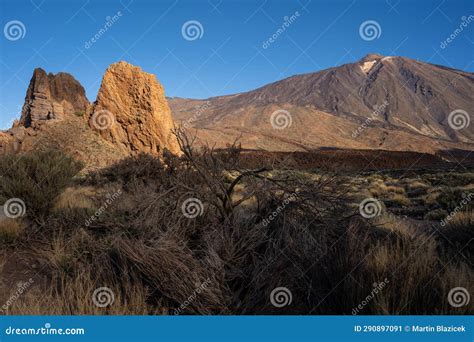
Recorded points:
(131, 111)
(51, 97)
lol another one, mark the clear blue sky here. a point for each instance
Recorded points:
(229, 57)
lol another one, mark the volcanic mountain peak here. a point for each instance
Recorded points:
(378, 102)
(371, 57)
(401, 103)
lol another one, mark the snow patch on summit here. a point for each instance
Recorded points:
(366, 66)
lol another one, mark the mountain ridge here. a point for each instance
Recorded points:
(378, 102)
(350, 91)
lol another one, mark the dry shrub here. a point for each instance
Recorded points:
(257, 229)
(74, 296)
(456, 236)
(76, 198)
(10, 230)
(37, 178)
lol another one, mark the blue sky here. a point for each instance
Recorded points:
(228, 55)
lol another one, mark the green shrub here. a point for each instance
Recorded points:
(436, 215)
(452, 198)
(143, 167)
(455, 235)
(36, 178)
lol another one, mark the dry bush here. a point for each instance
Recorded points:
(37, 178)
(76, 197)
(456, 236)
(258, 228)
(450, 199)
(399, 200)
(73, 296)
(10, 230)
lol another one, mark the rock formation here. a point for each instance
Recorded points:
(51, 97)
(131, 111)
(131, 115)
(6, 142)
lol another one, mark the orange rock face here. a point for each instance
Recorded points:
(6, 142)
(131, 111)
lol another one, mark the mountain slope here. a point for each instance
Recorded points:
(391, 103)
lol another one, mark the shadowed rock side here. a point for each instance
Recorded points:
(51, 97)
(392, 103)
(132, 105)
(130, 115)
